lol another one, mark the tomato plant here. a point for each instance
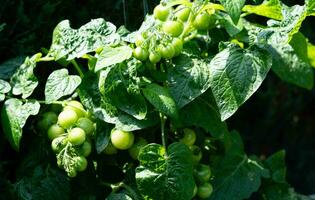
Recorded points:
(144, 114)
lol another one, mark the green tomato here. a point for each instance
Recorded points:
(161, 12)
(140, 40)
(204, 21)
(197, 153)
(76, 136)
(67, 118)
(76, 107)
(135, 149)
(122, 139)
(182, 12)
(58, 144)
(178, 45)
(48, 119)
(140, 54)
(55, 131)
(173, 28)
(202, 173)
(86, 124)
(167, 52)
(80, 163)
(205, 190)
(155, 57)
(86, 149)
(110, 149)
(189, 137)
(195, 191)
(72, 173)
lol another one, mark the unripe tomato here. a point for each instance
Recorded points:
(139, 40)
(110, 149)
(135, 149)
(205, 190)
(48, 119)
(72, 173)
(122, 139)
(85, 149)
(161, 12)
(77, 107)
(182, 13)
(155, 57)
(86, 124)
(58, 144)
(55, 131)
(173, 28)
(81, 163)
(167, 52)
(178, 45)
(197, 153)
(67, 118)
(189, 137)
(202, 173)
(141, 53)
(76, 136)
(204, 21)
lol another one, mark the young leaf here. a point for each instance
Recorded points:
(235, 75)
(189, 78)
(13, 117)
(269, 8)
(311, 53)
(4, 88)
(162, 176)
(23, 81)
(102, 137)
(236, 176)
(233, 8)
(59, 84)
(110, 56)
(74, 43)
(161, 99)
(8, 67)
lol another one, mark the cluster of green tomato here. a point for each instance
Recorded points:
(124, 140)
(172, 24)
(72, 126)
(202, 173)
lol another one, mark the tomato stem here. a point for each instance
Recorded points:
(77, 67)
(163, 120)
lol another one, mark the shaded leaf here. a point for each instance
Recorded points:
(8, 67)
(233, 8)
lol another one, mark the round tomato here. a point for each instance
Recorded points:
(77, 107)
(110, 149)
(202, 173)
(72, 173)
(173, 28)
(161, 12)
(178, 45)
(189, 137)
(81, 163)
(204, 21)
(67, 118)
(58, 144)
(86, 124)
(197, 153)
(182, 13)
(76, 136)
(122, 139)
(154, 57)
(86, 149)
(55, 131)
(167, 52)
(48, 119)
(205, 190)
(135, 149)
(140, 53)
(195, 190)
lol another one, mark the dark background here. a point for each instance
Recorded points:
(279, 116)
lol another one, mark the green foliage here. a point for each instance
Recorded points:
(233, 8)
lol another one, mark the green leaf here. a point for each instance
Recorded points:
(269, 8)
(311, 53)
(276, 164)
(121, 89)
(164, 175)
(43, 183)
(235, 75)
(310, 7)
(102, 135)
(233, 8)
(189, 78)
(110, 56)
(202, 113)
(59, 84)
(13, 117)
(8, 67)
(231, 28)
(236, 176)
(74, 43)
(161, 99)
(118, 196)
(4, 88)
(23, 81)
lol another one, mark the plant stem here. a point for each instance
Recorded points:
(163, 120)
(45, 59)
(77, 67)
